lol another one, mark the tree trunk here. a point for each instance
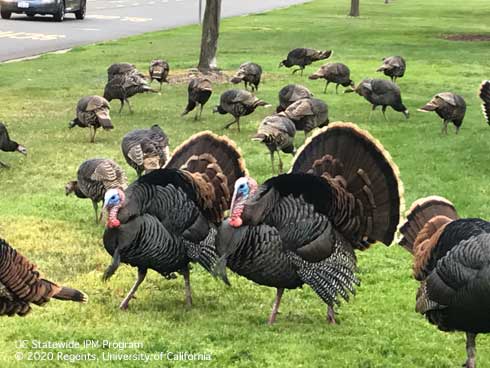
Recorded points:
(210, 33)
(354, 8)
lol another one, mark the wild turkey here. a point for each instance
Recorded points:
(342, 193)
(393, 67)
(337, 73)
(277, 133)
(199, 91)
(94, 178)
(304, 56)
(452, 264)
(92, 112)
(249, 73)
(119, 69)
(146, 149)
(449, 106)
(292, 93)
(380, 92)
(124, 86)
(484, 94)
(158, 71)
(169, 217)
(307, 114)
(8, 145)
(21, 285)
(238, 102)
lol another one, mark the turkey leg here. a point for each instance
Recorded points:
(275, 307)
(331, 315)
(188, 291)
(141, 276)
(470, 350)
(4, 165)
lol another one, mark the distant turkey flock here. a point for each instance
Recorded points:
(199, 204)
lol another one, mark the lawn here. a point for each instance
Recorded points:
(379, 327)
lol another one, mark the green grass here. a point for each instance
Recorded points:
(379, 327)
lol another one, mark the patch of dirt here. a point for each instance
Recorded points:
(184, 76)
(468, 37)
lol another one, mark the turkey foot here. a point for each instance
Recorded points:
(125, 303)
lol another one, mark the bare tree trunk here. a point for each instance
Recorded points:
(354, 8)
(210, 33)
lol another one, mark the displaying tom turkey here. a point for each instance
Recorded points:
(277, 133)
(249, 73)
(342, 193)
(393, 67)
(8, 145)
(21, 285)
(307, 114)
(292, 93)
(238, 102)
(119, 69)
(484, 94)
(450, 108)
(158, 71)
(169, 217)
(304, 56)
(199, 91)
(92, 112)
(451, 260)
(94, 178)
(380, 92)
(146, 149)
(337, 73)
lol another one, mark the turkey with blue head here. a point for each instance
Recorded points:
(169, 217)
(342, 193)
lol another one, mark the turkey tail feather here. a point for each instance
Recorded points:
(67, 293)
(484, 94)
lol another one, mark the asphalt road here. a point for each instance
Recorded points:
(111, 19)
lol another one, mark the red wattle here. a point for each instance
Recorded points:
(113, 223)
(235, 221)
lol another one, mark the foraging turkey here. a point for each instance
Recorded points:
(21, 284)
(337, 73)
(158, 71)
(304, 56)
(94, 178)
(238, 102)
(92, 112)
(342, 193)
(380, 92)
(277, 133)
(169, 217)
(292, 93)
(8, 145)
(199, 91)
(249, 73)
(120, 69)
(146, 149)
(450, 108)
(452, 263)
(307, 114)
(484, 94)
(123, 86)
(393, 67)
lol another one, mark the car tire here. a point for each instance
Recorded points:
(5, 14)
(80, 14)
(60, 13)
(31, 15)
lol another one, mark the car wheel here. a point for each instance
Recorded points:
(60, 13)
(5, 14)
(80, 14)
(30, 15)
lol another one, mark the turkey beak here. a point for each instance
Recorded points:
(349, 90)
(281, 64)
(22, 149)
(407, 114)
(215, 109)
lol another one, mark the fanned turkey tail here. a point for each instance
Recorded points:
(484, 94)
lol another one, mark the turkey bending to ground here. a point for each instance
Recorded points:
(93, 113)
(8, 145)
(452, 264)
(393, 67)
(484, 94)
(337, 73)
(21, 284)
(119, 69)
(199, 91)
(249, 73)
(342, 193)
(94, 178)
(169, 217)
(238, 102)
(307, 114)
(146, 149)
(277, 133)
(304, 56)
(450, 108)
(290, 94)
(158, 71)
(380, 92)
(123, 86)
